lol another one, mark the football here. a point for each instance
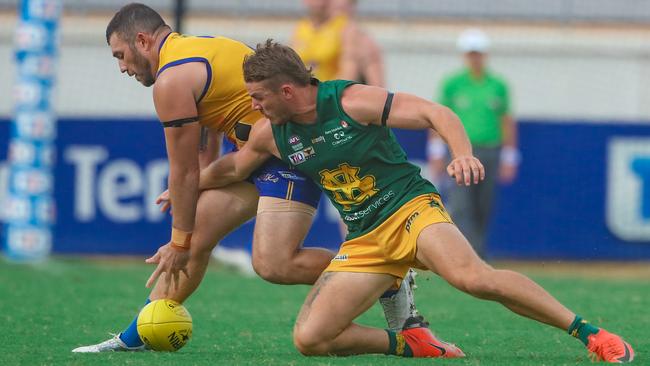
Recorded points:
(165, 325)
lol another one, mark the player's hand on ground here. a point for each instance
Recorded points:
(163, 201)
(172, 262)
(466, 169)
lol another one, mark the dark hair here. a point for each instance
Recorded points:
(134, 18)
(276, 63)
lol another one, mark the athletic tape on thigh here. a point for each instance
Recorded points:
(273, 204)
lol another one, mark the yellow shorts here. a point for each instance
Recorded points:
(391, 247)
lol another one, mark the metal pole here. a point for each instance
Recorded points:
(179, 15)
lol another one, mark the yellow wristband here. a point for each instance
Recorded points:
(176, 246)
(181, 239)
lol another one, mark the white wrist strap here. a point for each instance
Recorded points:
(510, 155)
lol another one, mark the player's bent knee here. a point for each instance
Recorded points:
(265, 271)
(270, 272)
(276, 268)
(310, 342)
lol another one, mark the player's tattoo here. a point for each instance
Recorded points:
(203, 144)
(306, 307)
(317, 287)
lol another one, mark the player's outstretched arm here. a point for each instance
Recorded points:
(175, 102)
(209, 151)
(237, 166)
(371, 105)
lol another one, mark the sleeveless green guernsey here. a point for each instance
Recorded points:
(362, 169)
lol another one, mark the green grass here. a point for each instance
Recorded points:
(48, 309)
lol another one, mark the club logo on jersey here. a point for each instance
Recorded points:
(302, 156)
(344, 124)
(347, 187)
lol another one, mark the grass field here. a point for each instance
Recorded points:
(48, 309)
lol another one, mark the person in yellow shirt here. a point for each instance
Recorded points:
(361, 59)
(318, 39)
(330, 41)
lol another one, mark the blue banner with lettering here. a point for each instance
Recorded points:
(583, 191)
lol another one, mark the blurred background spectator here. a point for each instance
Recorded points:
(481, 100)
(330, 41)
(319, 39)
(364, 61)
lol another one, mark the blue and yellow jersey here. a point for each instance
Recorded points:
(320, 47)
(224, 105)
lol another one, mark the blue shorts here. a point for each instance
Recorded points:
(276, 179)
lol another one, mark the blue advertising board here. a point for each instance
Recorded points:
(578, 195)
(583, 191)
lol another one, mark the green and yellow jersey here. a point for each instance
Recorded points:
(224, 105)
(362, 169)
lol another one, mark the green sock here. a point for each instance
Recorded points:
(397, 345)
(581, 329)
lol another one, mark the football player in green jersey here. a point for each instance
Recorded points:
(338, 134)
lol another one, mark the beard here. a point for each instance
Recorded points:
(278, 118)
(143, 69)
